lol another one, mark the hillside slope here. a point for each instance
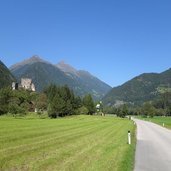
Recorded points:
(140, 89)
(44, 73)
(86, 80)
(6, 78)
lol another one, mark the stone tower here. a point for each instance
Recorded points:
(27, 84)
(14, 86)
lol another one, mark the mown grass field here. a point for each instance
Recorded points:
(160, 120)
(78, 143)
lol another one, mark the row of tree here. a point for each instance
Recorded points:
(57, 101)
(161, 106)
(62, 102)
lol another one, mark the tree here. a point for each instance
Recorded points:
(41, 102)
(148, 110)
(77, 102)
(18, 101)
(61, 101)
(5, 95)
(122, 111)
(125, 110)
(89, 104)
(81, 111)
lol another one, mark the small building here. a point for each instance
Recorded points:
(14, 86)
(26, 83)
(98, 107)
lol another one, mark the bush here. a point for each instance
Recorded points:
(81, 111)
(89, 104)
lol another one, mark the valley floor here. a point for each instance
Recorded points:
(87, 143)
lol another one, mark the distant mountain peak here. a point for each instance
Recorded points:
(35, 58)
(29, 61)
(44, 73)
(62, 63)
(67, 68)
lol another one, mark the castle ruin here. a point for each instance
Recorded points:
(26, 83)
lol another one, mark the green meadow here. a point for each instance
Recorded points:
(77, 143)
(160, 120)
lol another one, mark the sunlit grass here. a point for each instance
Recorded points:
(160, 120)
(70, 144)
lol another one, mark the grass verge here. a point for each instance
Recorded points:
(159, 120)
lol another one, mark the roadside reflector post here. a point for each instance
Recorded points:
(163, 124)
(129, 137)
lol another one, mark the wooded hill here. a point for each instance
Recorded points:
(6, 78)
(142, 88)
(44, 73)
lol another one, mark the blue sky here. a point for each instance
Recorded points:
(115, 40)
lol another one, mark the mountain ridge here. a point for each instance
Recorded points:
(139, 89)
(44, 73)
(6, 77)
(33, 59)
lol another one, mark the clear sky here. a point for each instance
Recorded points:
(115, 40)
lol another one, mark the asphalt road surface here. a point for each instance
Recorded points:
(153, 150)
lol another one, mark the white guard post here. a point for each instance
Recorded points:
(129, 137)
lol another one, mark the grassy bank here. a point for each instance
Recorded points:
(72, 143)
(160, 120)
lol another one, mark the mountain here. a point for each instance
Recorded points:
(140, 89)
(6, 78)
(67, 68)
(44, 73)
(89, 82)
(32, 60)
(41, 72)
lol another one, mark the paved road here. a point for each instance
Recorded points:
(153, 151)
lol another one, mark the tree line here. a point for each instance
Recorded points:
(61, 101)
(56, 101)
(161, 106)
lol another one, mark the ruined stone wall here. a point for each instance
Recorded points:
(27, 84)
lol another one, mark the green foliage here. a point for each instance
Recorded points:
(145, 87)
(89, 104)
(16, 109)
(58, 101)
(148, 110)
(125, 110)
(5, 95)
(122, 111)
(6, 78)
(41, 102)
(77, 102)
(160, 120)
(43, 74)
(109, 110)
(16, 102)
(81, 111)
(61, 101)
